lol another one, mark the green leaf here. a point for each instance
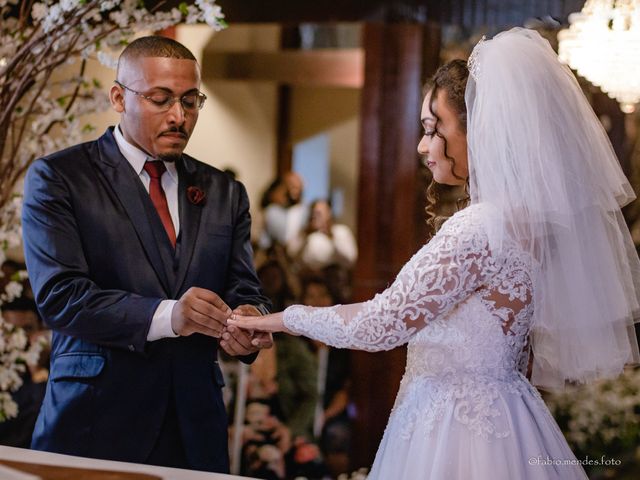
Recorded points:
(88, 128)
(15, 277)
(223, 23)
(96, 83)
(61, 101)
(184, 10)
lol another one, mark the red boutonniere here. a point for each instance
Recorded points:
(196, 195)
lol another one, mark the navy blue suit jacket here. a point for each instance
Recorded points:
(100, 263)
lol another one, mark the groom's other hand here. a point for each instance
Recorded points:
(200, 311)
(236, 341)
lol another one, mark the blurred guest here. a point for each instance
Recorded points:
(282, 395)
(338, 281)
(285, 379)
(277, 282)
(297, 211)
(332, 412)
(305, 461)
(284, 213)
(285, 375)
(265, 442)
(274, 205)
(297, 370)
(323, 242)
(295, 187)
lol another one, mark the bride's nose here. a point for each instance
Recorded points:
(423, 145)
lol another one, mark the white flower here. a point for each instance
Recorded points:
(13, 290)
(107, 60)
(88, 51)
(120, 18)
(600, 410)
(53, 18)
(38, 11)
(17, 342)
(212, 13)
(139, 15)
(68, 5)
(11, 409)
(10, 379)
(33, 354)
(8, 408)
(193, 15)
(176, 15)
(109, 4)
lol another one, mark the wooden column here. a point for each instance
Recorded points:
(390, 206)
(289, 38)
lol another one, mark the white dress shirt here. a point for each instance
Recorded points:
(161, 321)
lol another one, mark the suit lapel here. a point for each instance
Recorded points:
(126, 184)
(190, 215)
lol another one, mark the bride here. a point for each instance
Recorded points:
(540, 260)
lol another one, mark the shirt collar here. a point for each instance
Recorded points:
(137, 157)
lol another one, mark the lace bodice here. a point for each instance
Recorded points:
(452, 299)
(465, 314)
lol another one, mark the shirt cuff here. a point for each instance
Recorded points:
(161, 322)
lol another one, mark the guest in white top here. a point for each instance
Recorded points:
(284, 213)
(323, 243)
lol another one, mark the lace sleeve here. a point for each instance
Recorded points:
(443, 273)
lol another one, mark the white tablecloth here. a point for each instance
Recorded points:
(46, 458)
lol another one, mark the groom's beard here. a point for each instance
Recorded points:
(170, 157)
(173, 157)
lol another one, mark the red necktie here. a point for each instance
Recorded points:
(159, 199)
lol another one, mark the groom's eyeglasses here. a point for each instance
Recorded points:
(163, 101)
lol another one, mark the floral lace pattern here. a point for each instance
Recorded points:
(465, 315)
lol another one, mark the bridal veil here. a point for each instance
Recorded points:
(540, 158)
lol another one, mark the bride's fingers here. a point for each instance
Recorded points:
(246, 323)
(267, 323)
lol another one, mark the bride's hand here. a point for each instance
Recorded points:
(272, 323)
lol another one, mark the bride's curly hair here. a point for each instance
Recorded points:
(452, 78)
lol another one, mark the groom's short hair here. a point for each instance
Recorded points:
(154, 46)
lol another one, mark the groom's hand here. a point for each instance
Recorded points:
(200, 311)
(236, 341)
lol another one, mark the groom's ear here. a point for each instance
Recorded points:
(116, 97)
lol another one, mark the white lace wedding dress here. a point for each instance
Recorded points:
(464, 410)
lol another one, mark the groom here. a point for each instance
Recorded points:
(138, 254)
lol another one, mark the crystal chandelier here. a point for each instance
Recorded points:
(602, 44)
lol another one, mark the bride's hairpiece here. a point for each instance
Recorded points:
(472, 63)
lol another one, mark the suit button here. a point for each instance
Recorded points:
(132, 348)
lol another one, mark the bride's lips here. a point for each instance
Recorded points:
(431, 164)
